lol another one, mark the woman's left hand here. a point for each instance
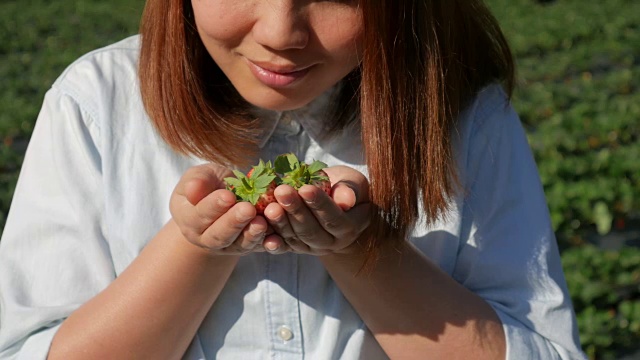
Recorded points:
(312, 222)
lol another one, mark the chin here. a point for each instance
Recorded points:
(277, 101)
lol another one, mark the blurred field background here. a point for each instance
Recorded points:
(578, 96)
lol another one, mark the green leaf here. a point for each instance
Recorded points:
(316, 166)
(238, 174)
(233, 181)
(253, 198)
(259, 169)
(293, 160)
(245, 183)
(263, 181)
(282, 164)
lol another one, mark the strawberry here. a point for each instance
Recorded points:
(297, 173)
(321, 180)
(256, 187)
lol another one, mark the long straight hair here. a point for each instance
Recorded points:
(423, 62)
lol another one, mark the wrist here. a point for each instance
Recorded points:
(366, 257)
(353, 259)
(190, 249)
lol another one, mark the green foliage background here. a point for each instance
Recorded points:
(578, 96)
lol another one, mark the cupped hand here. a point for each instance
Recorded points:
(209, 216)
(311, 222)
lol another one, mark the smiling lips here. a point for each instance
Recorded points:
(273, 76)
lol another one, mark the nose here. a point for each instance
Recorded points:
(281, 25)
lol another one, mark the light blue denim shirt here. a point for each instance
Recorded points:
(95, 185)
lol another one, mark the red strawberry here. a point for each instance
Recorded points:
(257, 186)
(321, 180)
(266, 198)
(297, 173)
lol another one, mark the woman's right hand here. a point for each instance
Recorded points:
(209, 217)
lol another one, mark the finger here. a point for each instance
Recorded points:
(212, 207)
(252, 235)
(287, 245)
(279, 221)
(301, 219)
(360, 217)
(224, 231)
(275, 245)
(277, 218)
(199, 217)
(343, 195)
(328, 214)
(299, 247)
(351, 177)
(269, 229)
(201, 180)
(197, 183)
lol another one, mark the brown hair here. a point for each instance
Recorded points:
(423, 61)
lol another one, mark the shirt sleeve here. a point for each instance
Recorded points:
(53, 253)
(508, 253)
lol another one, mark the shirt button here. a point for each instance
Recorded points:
(288, 125)
(285, 333)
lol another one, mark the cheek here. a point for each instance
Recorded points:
(221, 21)
(341, 36)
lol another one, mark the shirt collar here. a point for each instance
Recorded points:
(311, 116)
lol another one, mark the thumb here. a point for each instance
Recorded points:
(350, 187)
(199, 181)
(344, 195)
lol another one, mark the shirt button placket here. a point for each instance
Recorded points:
(283, 307)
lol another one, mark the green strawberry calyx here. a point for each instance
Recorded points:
(297, 173)
(250, 188)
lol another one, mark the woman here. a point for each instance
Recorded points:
(122, 241)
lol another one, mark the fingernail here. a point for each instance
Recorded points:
(310, 198)
(255, 230)
(354, 198)
(223, 202)
(242, 216)
(272, 247)
(286, 200)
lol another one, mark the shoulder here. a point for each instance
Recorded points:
(104, 64)
(490, 105)
(104, 85)
(488, 115)
(487, 128)
(102, 74)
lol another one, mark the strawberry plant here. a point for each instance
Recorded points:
(297, 173)
(605, 286)
(259, 184)
(256, 187)
(578, 96)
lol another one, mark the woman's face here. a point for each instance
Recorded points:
(281, 54)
